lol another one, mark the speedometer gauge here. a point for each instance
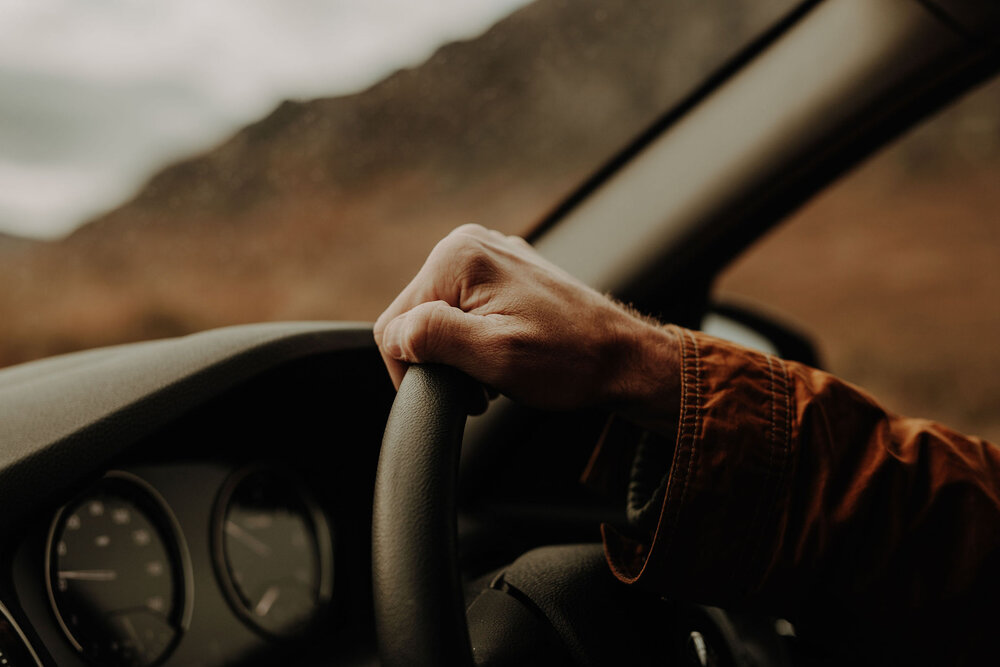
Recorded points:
(273, 551)
(118, 573)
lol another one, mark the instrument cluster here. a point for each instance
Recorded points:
(120, 579)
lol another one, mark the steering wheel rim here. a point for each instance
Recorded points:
(419, 604)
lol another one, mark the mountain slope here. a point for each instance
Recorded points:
(324, 208)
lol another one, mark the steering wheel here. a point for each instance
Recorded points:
(420, 611)
(419, 606)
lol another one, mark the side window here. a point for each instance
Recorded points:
(895, 271)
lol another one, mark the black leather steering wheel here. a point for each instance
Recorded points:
(420, 611)
(419, 606)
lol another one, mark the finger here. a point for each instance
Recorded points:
(422, 288)
(396, 368)
(437, 279)
(436, 332)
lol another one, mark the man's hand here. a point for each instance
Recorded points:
(489, 305)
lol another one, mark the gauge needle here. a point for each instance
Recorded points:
(89, 575)
(267, 601)
(133, 634)
(249, 541)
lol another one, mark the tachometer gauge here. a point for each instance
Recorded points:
(118, 573)
(273, 551)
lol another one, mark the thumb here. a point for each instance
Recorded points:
(435, 332)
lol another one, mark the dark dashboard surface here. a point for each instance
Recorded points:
(188, 429)
(167, 438)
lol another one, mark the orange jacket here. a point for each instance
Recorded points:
(794, 492)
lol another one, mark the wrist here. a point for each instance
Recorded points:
(647, 386)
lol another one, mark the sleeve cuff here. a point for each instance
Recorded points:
(716, 509)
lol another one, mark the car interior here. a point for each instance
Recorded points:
(260, 494)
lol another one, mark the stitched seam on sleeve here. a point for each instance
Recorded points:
(773, 440)
(697, 422)
(785, 431)
(679, 451)
(756, 527)
(683, 431)
(688, 422)
(781, 443)
(786, 435)
(788, 414)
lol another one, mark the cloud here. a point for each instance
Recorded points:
(96, 96)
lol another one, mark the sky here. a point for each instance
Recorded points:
(96, 96)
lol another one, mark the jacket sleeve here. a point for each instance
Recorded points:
(791, 491)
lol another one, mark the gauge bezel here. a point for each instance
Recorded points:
(20, 635)
(165, 521)
(322, 534)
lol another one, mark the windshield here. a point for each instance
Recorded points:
(171, 167)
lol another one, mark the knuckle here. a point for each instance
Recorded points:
(411, 342)
(518, 241)
(457, 243)
(475, 263)
(433, 326)
(471, 229)
(469, 259)
(425, 327)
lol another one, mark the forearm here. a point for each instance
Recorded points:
(791, 491)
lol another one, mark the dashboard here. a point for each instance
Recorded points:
(207, 500)
(199, 501)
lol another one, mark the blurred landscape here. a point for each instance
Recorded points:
(895, 272)
(325, 208)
